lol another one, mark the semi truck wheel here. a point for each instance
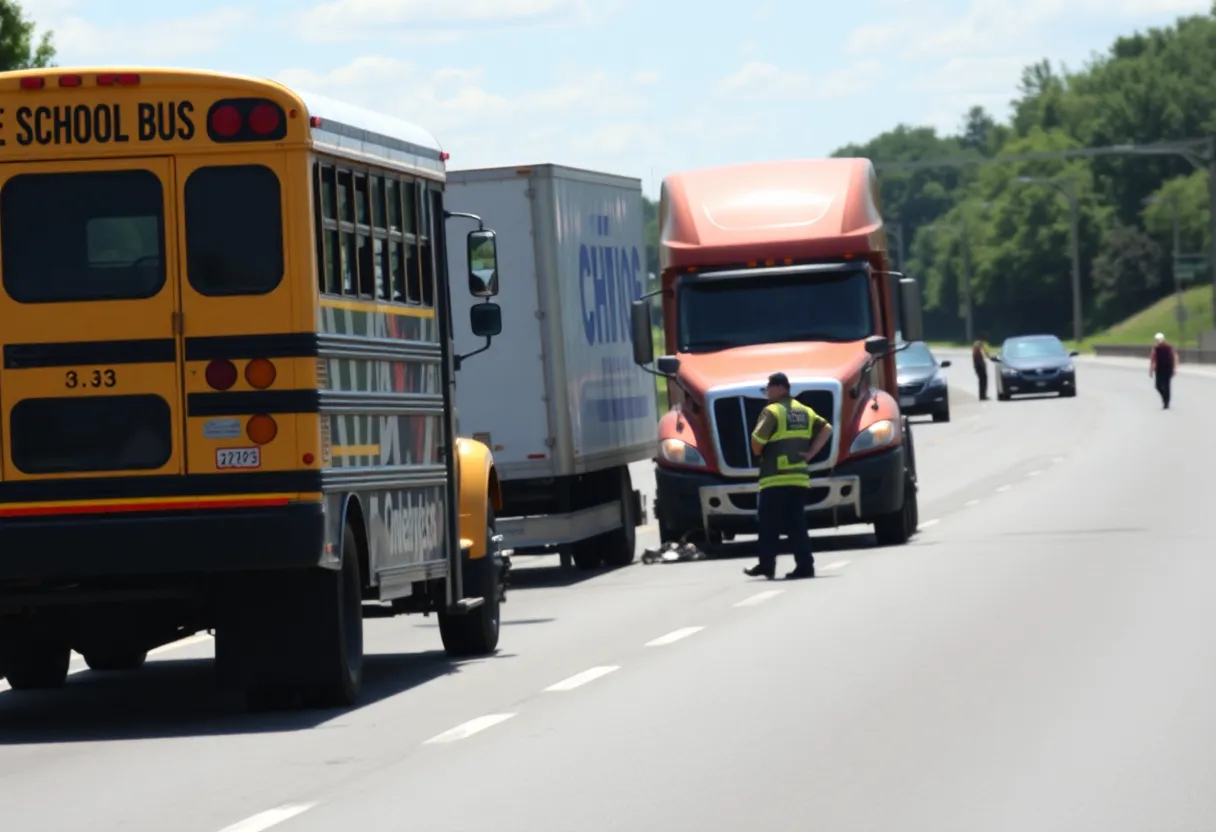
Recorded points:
(475, 633)
(897, 528)
(115, 658)
(32, 658)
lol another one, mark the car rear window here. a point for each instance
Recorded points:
(65, 435)
(92, 235)
(234, 230)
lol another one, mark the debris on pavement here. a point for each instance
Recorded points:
(673, 552)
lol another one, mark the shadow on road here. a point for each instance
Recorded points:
(550, 576)
(179, 698)
(819, 545)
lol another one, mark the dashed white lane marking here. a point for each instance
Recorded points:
(1003, 488)
(1057, 460)
(1033, 473)
(928, 524)
(759, 598)
(580, 679)
(269, 818)
(840, 564)
(674, 636)
(971, 503)
(468, 729)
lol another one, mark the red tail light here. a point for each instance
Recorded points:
(121, 79)
(70, 80)
(33, 83)
(221, 374)
(246, 120)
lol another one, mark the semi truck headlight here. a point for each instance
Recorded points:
(680, 452)
(878, 435)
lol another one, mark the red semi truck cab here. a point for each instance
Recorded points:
(779, 266)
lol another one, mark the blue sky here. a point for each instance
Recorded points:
(635, 88)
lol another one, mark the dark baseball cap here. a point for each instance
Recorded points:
(778, 380)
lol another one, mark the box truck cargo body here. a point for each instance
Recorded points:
(560, 400)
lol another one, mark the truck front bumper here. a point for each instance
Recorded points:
(856, 491)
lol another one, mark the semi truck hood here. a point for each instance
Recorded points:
(753, 364)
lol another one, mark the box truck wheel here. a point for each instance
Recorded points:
(620, 545)
(116, 657)
(475, 633)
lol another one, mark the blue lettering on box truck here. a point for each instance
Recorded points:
(610, 279)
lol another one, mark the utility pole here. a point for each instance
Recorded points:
(968, 309)
(1068, 187)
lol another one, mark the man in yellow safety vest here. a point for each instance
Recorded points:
(787, 437)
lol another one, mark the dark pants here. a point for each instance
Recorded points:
(981, 375)
(783, 512)
(1163, 387)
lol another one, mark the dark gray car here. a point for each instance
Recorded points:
(1035, 364)
(922, 384)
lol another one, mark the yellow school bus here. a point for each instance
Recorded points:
(227, 383)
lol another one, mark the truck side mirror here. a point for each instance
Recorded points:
(483, 264)
(485, 319)
(643, 334)
(946, 363)
(668, 365)
(877, 345)
(912, 325)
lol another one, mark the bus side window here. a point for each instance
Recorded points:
(413, 269)
(380, 236)
(396, 242)
(428, 250)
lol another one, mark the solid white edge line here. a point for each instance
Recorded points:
(759, 598)
(840, 564)
(674, 636)
(468, 729)
(580, 679)
(269, 818)
(928, 524)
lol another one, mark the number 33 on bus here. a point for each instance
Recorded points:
(228, 373)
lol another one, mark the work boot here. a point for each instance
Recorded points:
(759, 571)
(801, 572)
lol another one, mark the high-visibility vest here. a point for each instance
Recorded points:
(781, 461)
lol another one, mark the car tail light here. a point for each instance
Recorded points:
(246, 120)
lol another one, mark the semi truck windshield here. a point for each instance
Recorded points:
(718, 314)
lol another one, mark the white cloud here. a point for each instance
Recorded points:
(646, 77)
(583, 115)
(758, 80)
(346, 20)
(78, 40)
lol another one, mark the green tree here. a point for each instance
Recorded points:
(18, 49)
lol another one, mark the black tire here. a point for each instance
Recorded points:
(328, 647)
(620, 545)
(1068, 394)
(1002, 397)
(115, 659)
(897, 528)
(942, 415)
(476, 632)
(31, 659)
(587, 554)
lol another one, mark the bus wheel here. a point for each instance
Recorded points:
(337, 663)
(32, 658)
(115, 658)
(475, 633)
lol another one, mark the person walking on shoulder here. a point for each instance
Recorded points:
(787, 437)
(1162, 364)
(980, 358)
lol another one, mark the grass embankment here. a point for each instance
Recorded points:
(1140, 328)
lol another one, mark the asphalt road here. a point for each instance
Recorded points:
(1041, 657)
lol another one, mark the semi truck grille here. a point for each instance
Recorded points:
(736, 416)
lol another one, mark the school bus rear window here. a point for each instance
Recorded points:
(99, 433)
(234, 230)
(96, 235)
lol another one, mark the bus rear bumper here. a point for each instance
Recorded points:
(162, 543)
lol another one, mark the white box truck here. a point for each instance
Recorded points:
(559, 399)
